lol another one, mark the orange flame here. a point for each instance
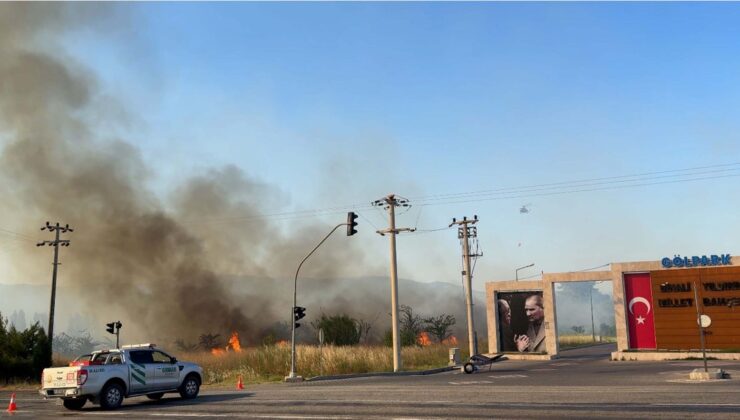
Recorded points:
(450, 341)
(423, 339)
(282, 343)
(234, 345)
(234, 342)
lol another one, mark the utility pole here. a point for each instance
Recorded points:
(591, 304)
(57, 228)
(390, 203)
(464, 233)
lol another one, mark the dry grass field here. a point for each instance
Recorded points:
(272, 363)
(571, 341)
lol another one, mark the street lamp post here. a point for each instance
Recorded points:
(292, 376)
(522, 268)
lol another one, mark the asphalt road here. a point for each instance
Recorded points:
(581, 384)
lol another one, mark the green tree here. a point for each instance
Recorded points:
(69, 345)
(340, 330)
(210, 341)
(578, 329)
(183, 345)
(410, 323)
(23, 354)
(439, 326)
(411, 326)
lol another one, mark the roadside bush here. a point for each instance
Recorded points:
(339, 330)
(23, 354)
(408, 338)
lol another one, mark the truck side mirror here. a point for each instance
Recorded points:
(173, 360)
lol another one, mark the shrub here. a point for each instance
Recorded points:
(340, 330)
(23, 354)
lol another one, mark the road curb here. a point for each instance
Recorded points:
(370, 374)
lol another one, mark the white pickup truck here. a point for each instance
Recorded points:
(110, 375)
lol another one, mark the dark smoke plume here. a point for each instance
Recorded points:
(131, 254)
(165, 265)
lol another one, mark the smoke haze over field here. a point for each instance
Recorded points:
(190, 144)
(156, 262)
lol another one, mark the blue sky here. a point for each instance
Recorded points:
(336, 104)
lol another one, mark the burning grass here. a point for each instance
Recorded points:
(272, 363)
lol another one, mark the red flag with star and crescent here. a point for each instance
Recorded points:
(641, 323)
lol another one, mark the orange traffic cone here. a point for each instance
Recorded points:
(239, 384)
(12, 407)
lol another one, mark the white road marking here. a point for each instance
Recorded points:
(697, 405)
(697, 381)
(470, 382)
(417, 418)
(247, 415)
(507, 376)
(188, 415)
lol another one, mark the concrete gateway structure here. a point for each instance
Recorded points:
(655, 309)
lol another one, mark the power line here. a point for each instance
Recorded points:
(694, 174)
(422, 231)
(578, 183)
(545, 194)
(594, 268)
(368, 220)
(576, 271)
(16, 234)
(288, 215)
(529, 277)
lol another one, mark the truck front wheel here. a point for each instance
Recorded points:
(74, 403)
(112, 396)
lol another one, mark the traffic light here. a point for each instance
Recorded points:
(298, 313)
(351, 223)
(114, 328)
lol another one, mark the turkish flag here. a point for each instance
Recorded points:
(640, 321)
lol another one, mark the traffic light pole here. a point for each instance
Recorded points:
(292, 377)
